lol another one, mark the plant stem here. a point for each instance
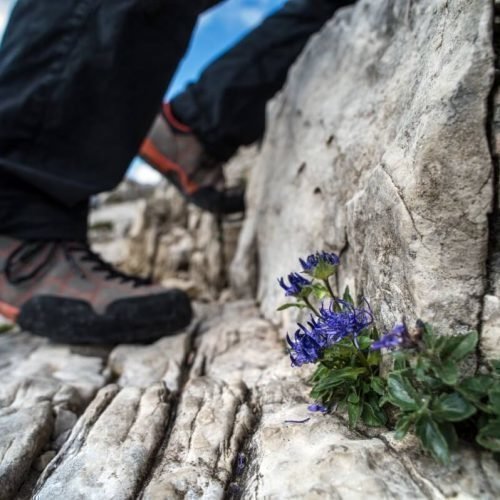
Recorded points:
(327, 283)
(362, 357)
(313, 309)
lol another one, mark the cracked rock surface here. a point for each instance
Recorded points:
(377, 149)
(234, 425)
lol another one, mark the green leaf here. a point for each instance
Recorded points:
(432, 439)
(288, 306)
(450, 434)
(447, 372)
(489, 435)
(364, 342)
(403, 426)
(452, 408)
(400, 362)
(338, 377)
(401, 393)
(495, 364)
(320, 291)
(422, 368)
(475, 388)
(354, 412)
(353, 397)
(494, 399)
(458, 347)
(429, 337)
(347, 296)
(378, 385)
(372, 415)
(374, 358)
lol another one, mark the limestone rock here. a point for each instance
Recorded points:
(108, 453)
(152, 231)
(490, 333)
(43, 371)
(141, 366)
(212, 420)
(23, 434)
(369, 153)
(346, 465)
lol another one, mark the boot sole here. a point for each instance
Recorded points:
(72, 321)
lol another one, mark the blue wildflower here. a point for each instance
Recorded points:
(307, 345)
(320, 265)
(348, 322)
(297, 284)
(309, 342)
(396, 337)
(317, 407)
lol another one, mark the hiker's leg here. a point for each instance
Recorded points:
(226, 107)
(80, 84)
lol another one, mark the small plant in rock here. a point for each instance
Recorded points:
(337, 337)
(432, 398)
(424, 387)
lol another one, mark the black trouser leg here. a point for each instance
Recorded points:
(80, 83)
(226, 107)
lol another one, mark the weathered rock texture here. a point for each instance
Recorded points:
(235, 426)
(377, 149)
(490, 332)
(152, 231)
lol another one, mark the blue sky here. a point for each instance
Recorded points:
(217, 30)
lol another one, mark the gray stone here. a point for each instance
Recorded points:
(212, 421)
(163, 237)
(370, 153)
(23, 434)
(141, 366)
(490, 332)
(42, 371)
(108, 453)
(43, 460)
(64, 422)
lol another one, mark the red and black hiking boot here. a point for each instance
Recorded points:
(64, 291)
(172, 149)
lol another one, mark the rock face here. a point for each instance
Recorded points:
(383, 159)
(152, 231)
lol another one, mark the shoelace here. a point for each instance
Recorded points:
(28, 251)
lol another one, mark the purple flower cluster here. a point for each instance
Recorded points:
(316, 407)
(332, 326)
(350, 321)
(395, 338)
(313, 260)
(297, 284)
(308, 344)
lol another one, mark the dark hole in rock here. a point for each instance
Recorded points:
(301, 168)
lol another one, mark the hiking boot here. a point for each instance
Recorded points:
(172, 149)
(64, 291)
